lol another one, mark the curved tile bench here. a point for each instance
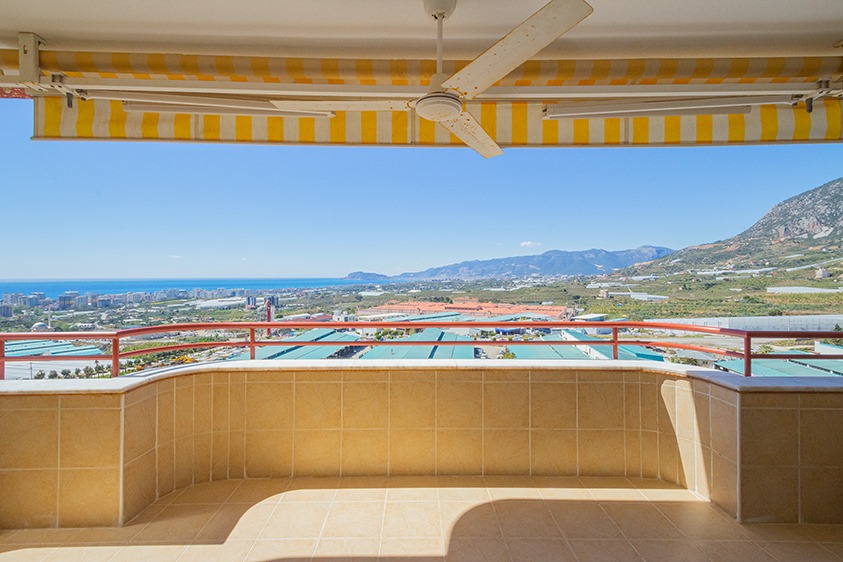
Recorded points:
(97, 452)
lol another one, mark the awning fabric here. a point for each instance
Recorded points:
(510, 123)
(143, 66)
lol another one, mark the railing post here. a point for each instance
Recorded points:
(747, 355)
(2, 359)
(251, 343)
(115, 357)
(614, 342)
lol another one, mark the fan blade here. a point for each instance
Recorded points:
(518, 46)
(469, 131)
(147, 107)
(342, 105)
(704, 106)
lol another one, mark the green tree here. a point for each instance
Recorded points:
(835, 341)
(53, 375)
(40, 374)
(65, 373)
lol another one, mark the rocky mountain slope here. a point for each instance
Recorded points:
(803, 228)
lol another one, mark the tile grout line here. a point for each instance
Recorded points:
(293, 424)
(577, 421)
(385, 498)
(623, 425)
(58, 459)
(798, 460)
(483, 424)
(640, 430)
(530, 423)
(436, 427)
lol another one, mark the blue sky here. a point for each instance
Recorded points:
(123, 210)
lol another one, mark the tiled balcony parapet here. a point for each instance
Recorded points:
(97, 452)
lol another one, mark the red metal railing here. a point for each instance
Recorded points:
(253, 343)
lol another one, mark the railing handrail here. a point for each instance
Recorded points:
(253, 327)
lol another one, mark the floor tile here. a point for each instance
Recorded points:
(734, 551)
(357, 520)
(113, 535)
(477, 550)
(469, 520)
(776, 532)
(290, 550)
(416, 519)
(6, 535)
(525, 519)
(669, 551)
(414, 549)
(347, 549)
(603, 550)
(251, 523)
(83, 554)
(584, 520)
(231, 551)
(799, 551)
(14, 553)
(699, 521)
(546, 550)
(43, 536)
(412, 519)
(824, 533)
(296, 521)
(145, 553)
(222, 523)
(835, 547)
(641, 521)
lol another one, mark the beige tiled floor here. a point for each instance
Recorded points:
(415, 519)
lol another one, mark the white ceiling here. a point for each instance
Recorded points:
(401, 29)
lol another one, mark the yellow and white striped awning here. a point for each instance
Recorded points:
(508, 123)
(510, 120)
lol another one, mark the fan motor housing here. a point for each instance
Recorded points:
(439, 106)
(443, 7)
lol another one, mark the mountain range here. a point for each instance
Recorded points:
(805, 227)
(550, 263)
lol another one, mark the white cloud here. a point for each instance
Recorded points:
(530, 244)
(176, 257)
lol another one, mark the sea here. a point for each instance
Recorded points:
(54, 287)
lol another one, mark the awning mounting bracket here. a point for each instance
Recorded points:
(29, 45)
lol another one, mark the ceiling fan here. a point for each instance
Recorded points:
(442, 104)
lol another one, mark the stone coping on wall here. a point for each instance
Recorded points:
(723, 379)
